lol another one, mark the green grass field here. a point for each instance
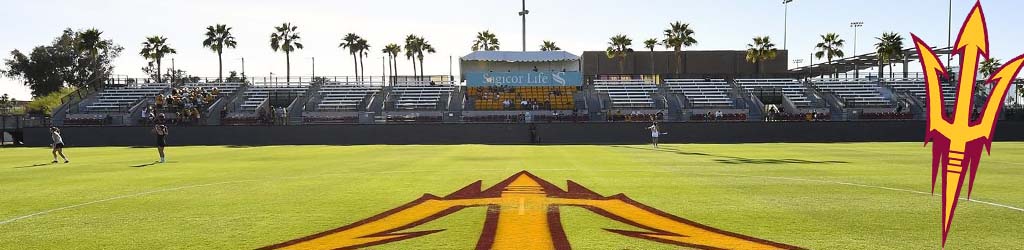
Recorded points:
(816, 196)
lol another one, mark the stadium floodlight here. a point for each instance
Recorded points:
(855, 25)
(785, 24)
(523, 14)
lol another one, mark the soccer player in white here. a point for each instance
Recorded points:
(654, 134)
(58, 144)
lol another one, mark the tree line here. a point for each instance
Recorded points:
(84, 58)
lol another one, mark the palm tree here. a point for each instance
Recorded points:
(677, 36)
(363, 49)
(411, 45)
(831, 46)
(987, 68)
(219, 37)
(486, 41)
(286, 39)
(392, 50)
(424, 46)
(350, 42)
(549, 46)
(650, 44)
(889, 49)
(618, 46)
(92, 42)
(154, 49)
(760, 51)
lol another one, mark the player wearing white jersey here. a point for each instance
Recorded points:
(58, 145)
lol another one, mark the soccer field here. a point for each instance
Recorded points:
(815, 196)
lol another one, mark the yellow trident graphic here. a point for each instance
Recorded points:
(522, 214)
(957, 140)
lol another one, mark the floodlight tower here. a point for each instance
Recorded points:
(523, 13)
(785, 24)
(855, 25)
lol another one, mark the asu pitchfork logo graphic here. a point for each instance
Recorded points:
(957, 141)
(523, 214)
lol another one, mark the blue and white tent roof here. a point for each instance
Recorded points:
(520, 56)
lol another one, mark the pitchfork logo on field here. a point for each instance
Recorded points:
(523, 213)
(957, 140)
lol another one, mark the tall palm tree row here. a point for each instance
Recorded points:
(831, 46)
(677, 36)
(618, 47)
(154, 49)
(487, 41)
(889, 49)
(351, 42)
(218, 37)
(392, 51)
(286, 39)
(760, 51)
(415, 47)
(549, 46)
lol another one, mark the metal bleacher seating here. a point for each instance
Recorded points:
(258, 95)
(792, 89)
(344, 96)
(916, 87)
(120, 99)
(628, 93)
(419, 95)
(855, 92)
(702, 92)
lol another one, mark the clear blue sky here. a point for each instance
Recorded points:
(575, 25)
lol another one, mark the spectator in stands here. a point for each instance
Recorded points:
(507, 104)
(159, 101)
(524, 104)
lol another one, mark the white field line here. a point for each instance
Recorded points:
(44, 212)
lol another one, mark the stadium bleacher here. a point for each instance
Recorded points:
(547, 97)
(628, 93)
(702, 92)
(792, 89)
(257, 96)
(122, 98)
(854, 92)
(419, 95)
(344, 96)
(916, 87)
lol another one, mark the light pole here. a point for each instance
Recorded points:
(314, 69)
(785, 24)
(172, 70)
(855, 25)
(243, 65)
(523, 14)
(949, 34)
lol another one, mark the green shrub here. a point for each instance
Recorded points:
(44, 105)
